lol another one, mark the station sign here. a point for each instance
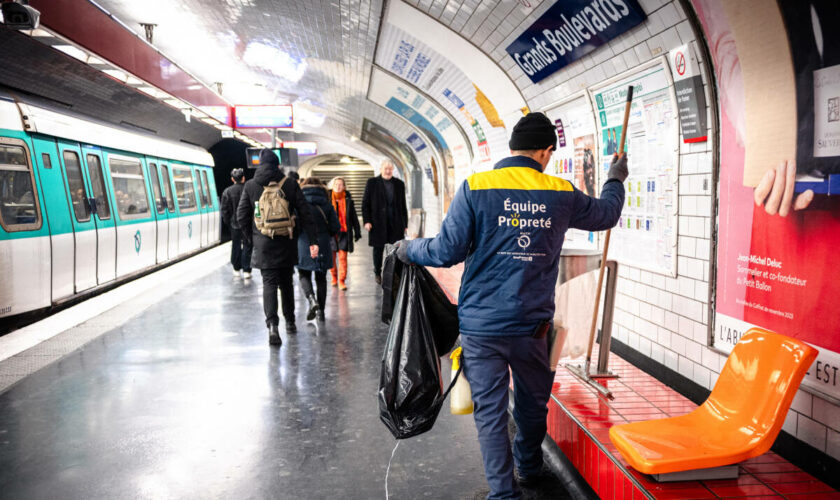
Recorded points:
(304, 148)
(570, 30)
(264, 116)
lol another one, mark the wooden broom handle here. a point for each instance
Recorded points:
(607, 238)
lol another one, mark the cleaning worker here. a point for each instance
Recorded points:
(508, 224)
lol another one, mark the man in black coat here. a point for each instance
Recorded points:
(275, 257)
(240, 250)
(384, 213)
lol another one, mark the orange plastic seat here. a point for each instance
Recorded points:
(740, 419)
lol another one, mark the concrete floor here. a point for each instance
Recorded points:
(187, 400)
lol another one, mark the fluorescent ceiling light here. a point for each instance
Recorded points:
(115, 73)
(72, 51)
(93, 60)
(41, 33)
(176, 102)
(134, 82)
(274, 60)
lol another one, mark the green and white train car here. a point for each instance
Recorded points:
(84, 204)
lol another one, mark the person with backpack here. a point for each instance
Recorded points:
(350, 231)
(328, 226)
(240, 249)
(266, 205)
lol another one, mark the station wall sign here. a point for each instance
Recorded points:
(570, 30)
(304, 148)
(691, 101)
(264, 116)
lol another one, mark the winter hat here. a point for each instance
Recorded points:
(267, 157)
(533, 131)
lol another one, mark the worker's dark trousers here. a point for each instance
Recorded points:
(486, 362)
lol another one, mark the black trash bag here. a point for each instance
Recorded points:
(442, 313)
(410, 384)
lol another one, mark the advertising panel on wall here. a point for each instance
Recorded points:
(568, 31)
(426, 116)
(408, 58)
(576, 157)
(646, 234)
(777, 243)
(380, 138)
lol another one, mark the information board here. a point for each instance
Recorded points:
(576, 157)
(646, 235)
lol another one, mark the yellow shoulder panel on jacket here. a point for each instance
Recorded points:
(519, 178)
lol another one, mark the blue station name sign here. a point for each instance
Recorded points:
(569, 30)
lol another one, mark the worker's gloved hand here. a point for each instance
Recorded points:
(618, 168)
(402, 251)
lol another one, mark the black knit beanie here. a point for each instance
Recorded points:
(533, 131)
(267, 156)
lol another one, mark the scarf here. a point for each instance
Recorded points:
(339, 202)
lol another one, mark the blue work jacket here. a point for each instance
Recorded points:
(508, 224)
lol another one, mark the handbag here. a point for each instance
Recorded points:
(333, 242)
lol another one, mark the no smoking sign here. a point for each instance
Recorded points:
(679, 63)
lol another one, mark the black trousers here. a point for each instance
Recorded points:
(272, 280)
(320, 280)
(240, 251)
(377, 260)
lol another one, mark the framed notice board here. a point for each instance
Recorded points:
(646, 235)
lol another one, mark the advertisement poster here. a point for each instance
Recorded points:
(777, 243)
(409, 59)
(646, 234)
(427, 117)
(576, 158)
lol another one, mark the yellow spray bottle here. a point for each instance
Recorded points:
(460, 399)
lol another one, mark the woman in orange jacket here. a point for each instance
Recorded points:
(350, 231)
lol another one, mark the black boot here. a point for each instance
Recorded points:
(313, 307)
(290, 326)
(321, 317)
(274, 335)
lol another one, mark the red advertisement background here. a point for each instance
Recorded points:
(807, 243)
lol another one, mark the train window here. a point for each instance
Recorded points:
(203, 196)
(97, 184)
(45, 158)
(160, 203)
(184, 189)
(206, 188)
(76, 185)
(19, 209)
(129, 188)
(167, 189)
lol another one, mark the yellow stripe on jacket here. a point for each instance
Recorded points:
(518, 178)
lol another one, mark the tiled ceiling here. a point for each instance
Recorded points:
(317, 53)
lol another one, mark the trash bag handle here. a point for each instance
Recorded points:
(452, 384)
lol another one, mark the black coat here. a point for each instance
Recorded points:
(230, 203)
(375, 211)
(354, 231)
(327, 223)
(280, 251)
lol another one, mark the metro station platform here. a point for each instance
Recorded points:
(167, 388)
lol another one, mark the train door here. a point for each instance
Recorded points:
(58, 218)
(84, 227)
(162, 221)
(216, 233)
(106, 229)
(207, 222)
(189, 219)
(171, 217)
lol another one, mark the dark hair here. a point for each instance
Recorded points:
(237, 173)
(312, 181)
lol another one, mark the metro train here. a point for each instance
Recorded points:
(84, 205)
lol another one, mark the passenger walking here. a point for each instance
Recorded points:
(275, 253)
(240, 249)
(384, 213)
(349, 233)
(328, 226)
(508, 224)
